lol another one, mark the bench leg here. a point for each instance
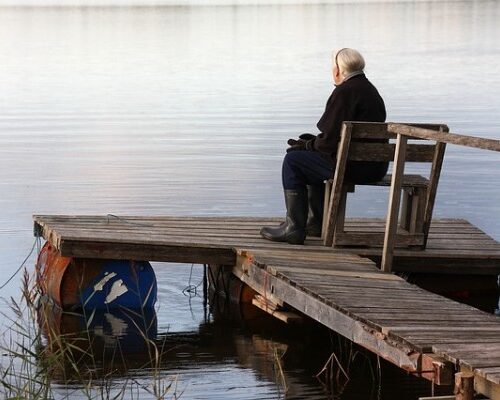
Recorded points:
(393, 208)
(326, 204)
(420, 202)
(413, 209)
(339, 225)
(340, 221)
(406, 209)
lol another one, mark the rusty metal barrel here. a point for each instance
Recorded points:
(74, 283)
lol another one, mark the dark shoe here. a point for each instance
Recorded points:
(316, 196)
(293, 230)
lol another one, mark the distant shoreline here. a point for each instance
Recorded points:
(189, 3)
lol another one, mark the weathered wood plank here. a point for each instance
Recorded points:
(416, 307)
(390, 239)
(409, 180)
(378, 130)
(437, 164)
(338, 182)
(385, 152)
(345, 285)
(217, 220)
(445, 137)
(400, 330)
(320, 254)
(375, 239)
(273, 309)
(338, 280)
(470, 348)
(149, 252)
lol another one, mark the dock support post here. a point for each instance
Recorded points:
(464, 386)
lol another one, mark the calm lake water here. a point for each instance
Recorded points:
(186, 111)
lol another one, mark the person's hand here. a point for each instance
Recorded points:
(307, 136)
(296, 145)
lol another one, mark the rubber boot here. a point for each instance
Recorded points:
(293, 231)
(316, 198)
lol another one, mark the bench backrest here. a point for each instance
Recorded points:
(367, 143)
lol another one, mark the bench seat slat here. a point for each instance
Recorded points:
(408, 181)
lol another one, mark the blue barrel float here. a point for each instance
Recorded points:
(93, 284)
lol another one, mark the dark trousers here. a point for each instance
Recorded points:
(301, 168)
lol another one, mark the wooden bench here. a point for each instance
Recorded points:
(419, 192)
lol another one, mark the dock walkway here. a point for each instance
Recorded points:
(421, 332)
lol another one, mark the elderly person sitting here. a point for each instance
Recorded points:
(310, 160)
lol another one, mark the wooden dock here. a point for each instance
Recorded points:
(455, 246)
(342, 288)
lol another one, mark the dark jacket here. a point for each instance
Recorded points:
(354, 100)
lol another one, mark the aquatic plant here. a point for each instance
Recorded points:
(344, 359)
(278, 354)
(41, 360)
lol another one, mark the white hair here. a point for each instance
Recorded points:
(348, 61)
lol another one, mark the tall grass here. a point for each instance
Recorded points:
(41, 361)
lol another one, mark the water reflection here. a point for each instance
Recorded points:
(286, 363)
(98, 343)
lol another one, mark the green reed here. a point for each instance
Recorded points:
(39, 362)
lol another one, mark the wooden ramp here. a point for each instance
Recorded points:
(455, 246)
(421, 332)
